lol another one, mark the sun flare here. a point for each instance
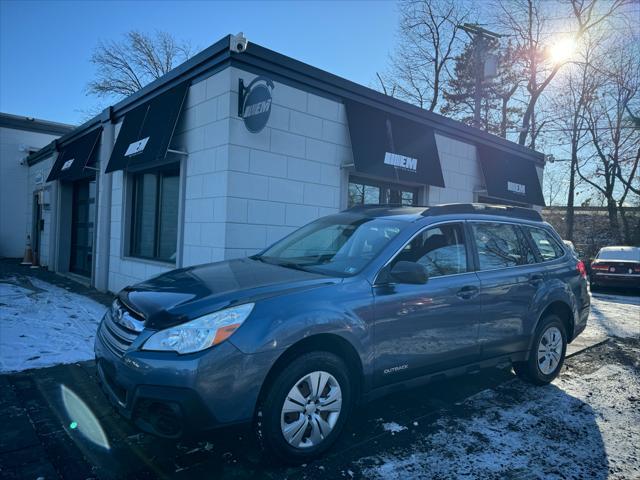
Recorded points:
(562, 50)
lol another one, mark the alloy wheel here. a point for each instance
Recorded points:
(550, 350)
(311, 409)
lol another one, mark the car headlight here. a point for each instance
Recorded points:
(201, 333)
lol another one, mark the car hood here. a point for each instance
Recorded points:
(184, 294)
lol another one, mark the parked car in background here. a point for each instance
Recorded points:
(347, 308)
(616, 267)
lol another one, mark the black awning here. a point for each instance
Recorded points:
(146, 132)
(73, 160)
(509, 177)
(393, 147)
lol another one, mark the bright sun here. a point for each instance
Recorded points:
(562, 50)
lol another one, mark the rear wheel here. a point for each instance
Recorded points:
(548, 353)
(305, 408)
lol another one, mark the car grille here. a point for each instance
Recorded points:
(116, 336)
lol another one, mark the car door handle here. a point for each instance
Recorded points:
(536, 278)
(468, 292)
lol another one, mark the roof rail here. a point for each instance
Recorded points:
(457, 208)
(486, 209)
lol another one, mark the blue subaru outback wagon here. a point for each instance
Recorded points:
(344, 309)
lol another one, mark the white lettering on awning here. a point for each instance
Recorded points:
(136, 147)
(516, 188)
(401, 161)
(66, 165)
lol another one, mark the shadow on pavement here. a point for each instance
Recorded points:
(64, 447)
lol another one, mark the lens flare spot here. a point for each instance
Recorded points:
(85, 421)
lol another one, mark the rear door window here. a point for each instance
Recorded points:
(500, 245)
(547, 246)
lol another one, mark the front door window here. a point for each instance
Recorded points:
(82, 224)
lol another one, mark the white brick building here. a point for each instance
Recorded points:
(20, 136)
(192, 170)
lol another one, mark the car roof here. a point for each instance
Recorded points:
(620, 249)
(417, 212)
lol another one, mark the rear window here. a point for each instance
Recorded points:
(548, 247)
(500, 245)
(628, 254)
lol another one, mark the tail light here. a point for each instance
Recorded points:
(581, 269)
(636, 269)
(597, 266)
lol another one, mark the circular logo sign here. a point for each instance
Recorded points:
(256, 107)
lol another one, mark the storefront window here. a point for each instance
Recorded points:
(367, 192)
(154, 228)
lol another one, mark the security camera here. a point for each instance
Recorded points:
(238, 43)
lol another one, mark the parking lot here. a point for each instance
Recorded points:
(57, 424)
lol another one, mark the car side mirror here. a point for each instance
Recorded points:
(409, 272)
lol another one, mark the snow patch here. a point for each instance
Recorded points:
(43, 325)
(583, 426)
(614, 316)
(393, 427)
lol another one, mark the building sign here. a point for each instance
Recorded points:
(517, 188)
(401, 161)
(136, 147)
(254, 103)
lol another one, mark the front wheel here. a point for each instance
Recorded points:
(548, 353)
(305, 408)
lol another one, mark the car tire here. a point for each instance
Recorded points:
(547, 354)
(311, 424)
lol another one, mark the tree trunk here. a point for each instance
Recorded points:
(612, 210)
(626, 229)
(571, 198)
(503, 120)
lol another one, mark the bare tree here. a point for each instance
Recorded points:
(571, 101)
(553, 186)
(125, 66)
(528, 23)
(613, 135)
(429, 38)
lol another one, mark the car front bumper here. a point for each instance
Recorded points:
(172, 395)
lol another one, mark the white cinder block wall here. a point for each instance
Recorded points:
(203, 131)
(461, 172)
(286, 175)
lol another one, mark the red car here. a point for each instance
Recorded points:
(616, 267)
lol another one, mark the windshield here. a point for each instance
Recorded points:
(336, 245)
(630, 254)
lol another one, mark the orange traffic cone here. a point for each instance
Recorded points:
(28, 253)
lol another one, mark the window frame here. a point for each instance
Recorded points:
(130, 233)
(534, 246)
(383, 187)
(518, 228)
(471, 263)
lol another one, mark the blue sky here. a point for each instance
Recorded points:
(45, 46)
